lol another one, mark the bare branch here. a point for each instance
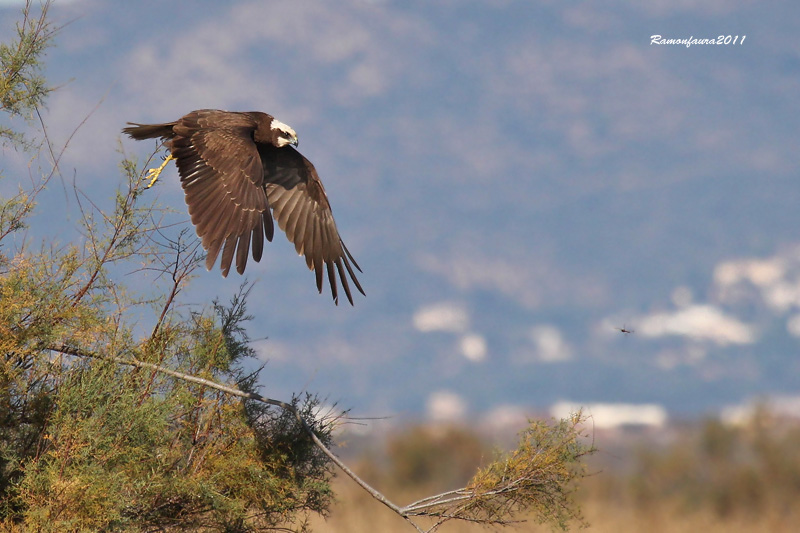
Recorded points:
(233, 391)
(475, 503)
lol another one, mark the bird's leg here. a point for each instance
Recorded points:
(154, 173)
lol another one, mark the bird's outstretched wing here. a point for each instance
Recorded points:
(223, 181)
(300, 205)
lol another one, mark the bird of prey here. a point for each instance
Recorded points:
(236, 166)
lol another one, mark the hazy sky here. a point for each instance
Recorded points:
(516, 178)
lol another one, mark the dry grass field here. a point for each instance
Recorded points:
(356, 512)
(701, 477)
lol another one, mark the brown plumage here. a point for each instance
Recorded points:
(234, 167)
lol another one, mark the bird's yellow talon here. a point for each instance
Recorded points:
(154, 173)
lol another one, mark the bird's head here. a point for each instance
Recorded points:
(284, 135)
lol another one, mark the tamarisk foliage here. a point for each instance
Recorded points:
(93, 445)
(23, 87)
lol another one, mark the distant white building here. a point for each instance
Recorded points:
(614, 415)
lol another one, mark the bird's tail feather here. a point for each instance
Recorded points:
(149, 131)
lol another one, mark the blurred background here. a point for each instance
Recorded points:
(520, 181)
